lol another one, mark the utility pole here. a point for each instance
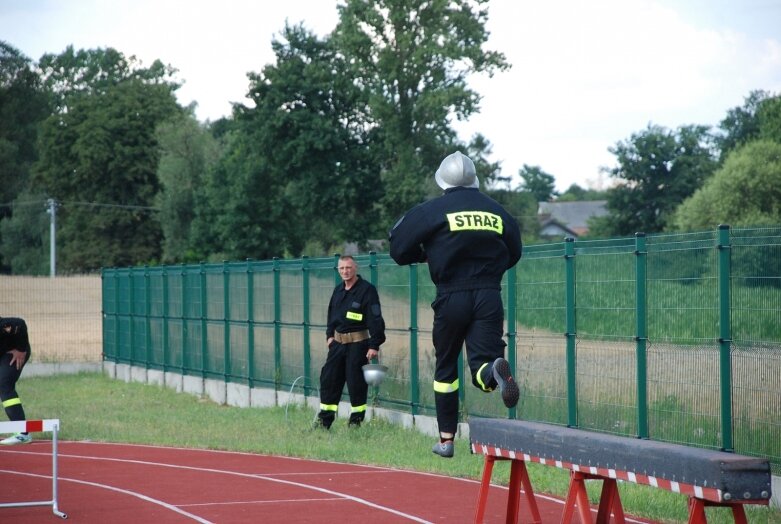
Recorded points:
(52, 210)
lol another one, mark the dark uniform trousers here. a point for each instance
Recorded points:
(344, 363)
(8, 377)
(475, 316)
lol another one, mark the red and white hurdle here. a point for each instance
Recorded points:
(37, 426)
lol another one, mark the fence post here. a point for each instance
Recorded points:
(512, 278)
(250, 324)
(148, 320)
(204, 324)
(641, 338)
(725, 336)
(571, 334)
(337, 279)
(374, 274)
(116, 316)
(166, 349)
(131, 314)
(306, 323)
(185, 360)
(277, 326)
(184, 318)
(413, 340)
(226, 338)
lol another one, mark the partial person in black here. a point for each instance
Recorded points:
(14, 354)
(354, 334)
(469, 241)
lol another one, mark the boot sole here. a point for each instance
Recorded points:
(507, 385)
(447, 452)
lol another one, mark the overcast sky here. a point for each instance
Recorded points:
(585, 74)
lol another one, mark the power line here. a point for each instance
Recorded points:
(118, 206)
(76, 203)
(24, 203)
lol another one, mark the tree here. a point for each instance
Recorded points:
(99, 158)
(658, 169)
(188, 151)
(413, 58)
(301, 155)
(478, 150)
(240, 211)
(523, 206)
(745, 191)
(537, 182)
(24, 104)
(741, 124)
(575, 193)
(769, 116)
(83, 72)
(24, 236)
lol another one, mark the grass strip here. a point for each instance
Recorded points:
(93, 407)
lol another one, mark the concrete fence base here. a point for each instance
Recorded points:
(240, 395)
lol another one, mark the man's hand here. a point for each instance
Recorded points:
(372, 353)
(17, 358)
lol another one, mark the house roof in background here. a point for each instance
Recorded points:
(574, 215)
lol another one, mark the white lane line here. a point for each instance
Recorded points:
(277, 501)
(118, 490)
(301, 459)
(309, 473)
(358, 500)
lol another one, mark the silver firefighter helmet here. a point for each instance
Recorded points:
(457, 170)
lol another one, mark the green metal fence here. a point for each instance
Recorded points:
(673, 337)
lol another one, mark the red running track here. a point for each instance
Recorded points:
(121, 483)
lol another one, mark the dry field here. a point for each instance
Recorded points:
(63, 315)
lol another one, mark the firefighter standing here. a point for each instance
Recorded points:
(469, 241)
(354, 334)
(14, 354)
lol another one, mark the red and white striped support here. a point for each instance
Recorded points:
(610, 503)
(700, 492)
(37, 426)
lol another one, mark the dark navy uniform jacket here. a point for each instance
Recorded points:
(468, 239)
(13, 335)
(356, 309)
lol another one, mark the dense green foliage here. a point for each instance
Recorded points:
(97, 155)
(296, 162)
(745, 191)
(659, 169)
(103, 150)
(188, 153)
(540, 184)
(576, 193)
(24, 104)
(342, 136)
(413, 58)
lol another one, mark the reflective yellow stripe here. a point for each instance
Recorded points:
(358, 409)
(475, 220)
(444, 387)
(11, 402)
(355, 316)
(480, 377)
(329, 407)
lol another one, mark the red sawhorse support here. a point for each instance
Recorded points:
(706, 477)
(697, 509)
(609, 501)
(519, 477)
